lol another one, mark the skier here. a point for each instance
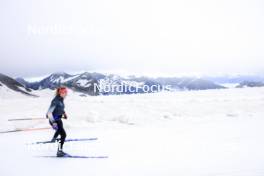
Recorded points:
(55, 114)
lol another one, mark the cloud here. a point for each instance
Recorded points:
(141, 36)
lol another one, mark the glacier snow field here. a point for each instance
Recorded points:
(203, 133)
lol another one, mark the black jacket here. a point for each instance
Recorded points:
(57, 107)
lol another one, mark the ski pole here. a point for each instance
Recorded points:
(25, 129)
(26, 119)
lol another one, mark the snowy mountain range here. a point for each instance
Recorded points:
(250, 84)
(82, 82)
(96, 83)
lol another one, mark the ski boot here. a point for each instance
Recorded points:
(61, 153)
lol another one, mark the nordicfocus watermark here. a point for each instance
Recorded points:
(121, 88)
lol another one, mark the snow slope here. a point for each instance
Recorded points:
(212, 132)
(6, 92)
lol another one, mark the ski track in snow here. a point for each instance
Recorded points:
(212, 132)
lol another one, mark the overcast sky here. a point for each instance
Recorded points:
(153, 37)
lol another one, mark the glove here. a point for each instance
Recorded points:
(55, 126)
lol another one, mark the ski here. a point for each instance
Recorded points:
(26, 119)
(67, 140)
(76, 156)
(24, 129)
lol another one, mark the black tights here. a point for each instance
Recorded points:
(60, 131)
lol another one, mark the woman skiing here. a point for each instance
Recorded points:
(55, 114)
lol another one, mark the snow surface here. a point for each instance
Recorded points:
(230, 85)
(210, 133)
(6, 93)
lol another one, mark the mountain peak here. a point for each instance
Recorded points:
(60, 74)
(14, 85)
